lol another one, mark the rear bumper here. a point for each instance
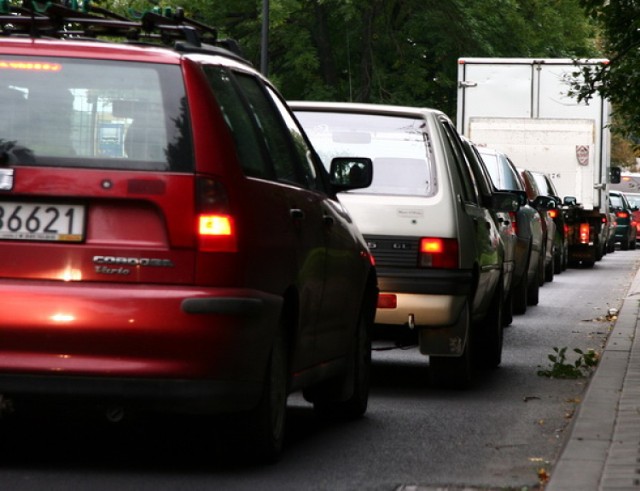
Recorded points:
(154, 342)
(432, 297)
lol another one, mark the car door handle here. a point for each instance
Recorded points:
(296, 213)
(328, 220)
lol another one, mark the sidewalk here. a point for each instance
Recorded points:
(603, 449)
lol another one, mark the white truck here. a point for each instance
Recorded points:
(522, 107)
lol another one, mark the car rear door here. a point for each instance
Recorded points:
(76, 204)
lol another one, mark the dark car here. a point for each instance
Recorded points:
(505, 221)
(175, 241)
(548, 224)
(626, 231)
(547, 188)
(528, 224)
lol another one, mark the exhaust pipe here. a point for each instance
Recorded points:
(115, 413)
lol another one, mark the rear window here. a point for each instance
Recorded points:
(398, 146)
(502, 174)
(64, 112)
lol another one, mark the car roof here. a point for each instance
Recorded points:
(365, 108)
(89, 49)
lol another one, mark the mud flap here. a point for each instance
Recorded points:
(447, 340)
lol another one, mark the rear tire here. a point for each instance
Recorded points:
(453, 372)
(520, 295)
(507, 310)
(265, 424)
(327, 401)
(488, 334)
(533, 292)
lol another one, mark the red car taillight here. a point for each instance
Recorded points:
(553, 213)
(438, 253)
(622, 214)
(215, 226)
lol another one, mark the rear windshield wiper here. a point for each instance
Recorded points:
(12, 153)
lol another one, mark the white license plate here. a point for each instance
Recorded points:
(41, 221)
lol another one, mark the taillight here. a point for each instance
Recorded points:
(514, 221)
(438, 253)
(387, 301)
(584, 233)
(622, 214)
(215, 226)
(553, 213)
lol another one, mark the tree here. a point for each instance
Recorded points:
(392, 51)
(618, 81)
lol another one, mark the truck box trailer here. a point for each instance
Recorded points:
(523, 107)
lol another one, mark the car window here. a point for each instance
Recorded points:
(305, 153)
(276, 136)
(502, 174)
(398, 146)
(616, 201)
(250, 151)
(94, 113)
(463, 168)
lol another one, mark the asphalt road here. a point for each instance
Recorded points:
(502, 433)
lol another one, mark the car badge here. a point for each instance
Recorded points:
(6, 179)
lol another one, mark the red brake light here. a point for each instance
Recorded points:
(553, 213)
(438, 253)
(215, 226)
(584, 233)
(387, 301)
(622, 214)
(514, 221)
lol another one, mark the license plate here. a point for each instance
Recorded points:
(54, 222)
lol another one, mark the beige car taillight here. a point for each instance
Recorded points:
(438, 253)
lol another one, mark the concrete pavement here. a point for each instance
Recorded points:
(602, 452)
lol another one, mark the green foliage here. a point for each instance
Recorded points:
(619, 21)
(390, 51)
(561, 368)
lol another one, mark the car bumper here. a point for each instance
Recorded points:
(430, 297)
(122, 341)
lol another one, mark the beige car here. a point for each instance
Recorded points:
(439, 255)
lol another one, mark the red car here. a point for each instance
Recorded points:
(170, 238)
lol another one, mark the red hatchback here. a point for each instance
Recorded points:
(170, 238)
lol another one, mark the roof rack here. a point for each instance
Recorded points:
(73, 19)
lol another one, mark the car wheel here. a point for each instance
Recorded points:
(633, 244)
(327, 401)
(520, 295)
(488, 334)
(507, 310)
(533, 292)
(265, 424)
(624, 245)
(541, 266)
(558, 258)
(454, 372)
(549, 271)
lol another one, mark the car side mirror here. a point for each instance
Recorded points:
(506, 201)
(615, 175)
(544, 202)
(350, 173)
(570, 201)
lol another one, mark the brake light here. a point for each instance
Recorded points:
(215, 226)
(622, 214)
(514, 221)
(584, 233)
(438, 253)
(553, 213)
(387, 301)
